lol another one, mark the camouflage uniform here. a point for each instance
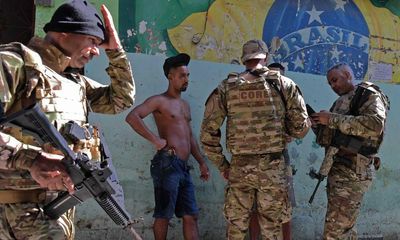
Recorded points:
(257, 123)
(37, 74)
(346, 186)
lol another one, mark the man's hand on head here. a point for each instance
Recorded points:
(112, 39)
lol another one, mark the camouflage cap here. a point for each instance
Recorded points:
(254, 49)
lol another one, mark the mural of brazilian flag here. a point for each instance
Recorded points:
(306, 36)
(312, 35)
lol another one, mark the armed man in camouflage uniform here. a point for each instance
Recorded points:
(44, 72)
(254, 227)
(261, 108)
(358, 115)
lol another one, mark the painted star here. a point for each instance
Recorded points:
(335, 54)
(314, 15)
(340, 4)
(298, 63)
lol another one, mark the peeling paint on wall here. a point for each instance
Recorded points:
(305, 36)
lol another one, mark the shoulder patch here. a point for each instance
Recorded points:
(232, 77)
(298, 89)
(272, 74)
(370, 86)
(233, 74)
(373, 88)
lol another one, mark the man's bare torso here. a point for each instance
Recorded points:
(172, 119)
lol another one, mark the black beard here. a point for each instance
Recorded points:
(183, 89)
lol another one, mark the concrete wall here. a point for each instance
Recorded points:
(380, 214)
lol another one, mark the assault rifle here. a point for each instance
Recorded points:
(92, 179)
(351, 145)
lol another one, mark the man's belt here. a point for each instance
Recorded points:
(27, 196)
(22, 196)
(272, 155)
(18, 182)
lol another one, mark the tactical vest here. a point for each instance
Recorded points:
(255, 116)
(370, 145)
(61, 99)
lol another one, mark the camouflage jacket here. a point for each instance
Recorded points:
(23, 76)
(368, 124)
(254, 126)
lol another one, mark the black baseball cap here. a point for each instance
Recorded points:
(77, 16)
(181, 59)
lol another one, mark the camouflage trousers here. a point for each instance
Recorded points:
(26, 221)
(260, 179)
(345, 191)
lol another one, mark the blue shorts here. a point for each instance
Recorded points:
(173, 186)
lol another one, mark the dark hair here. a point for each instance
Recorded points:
(337, 66)
(175, 66)
(342, 67)
(276, 65)
(181, 59)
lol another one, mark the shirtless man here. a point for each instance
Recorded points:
(173, 187)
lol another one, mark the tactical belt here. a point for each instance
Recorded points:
(20, 182)
(22, 196)
(272, 156)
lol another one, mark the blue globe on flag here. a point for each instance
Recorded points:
(310, 36)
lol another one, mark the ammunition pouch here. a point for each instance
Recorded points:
(74, 133)
(352, 144)
(85, 139)
(354, 154)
